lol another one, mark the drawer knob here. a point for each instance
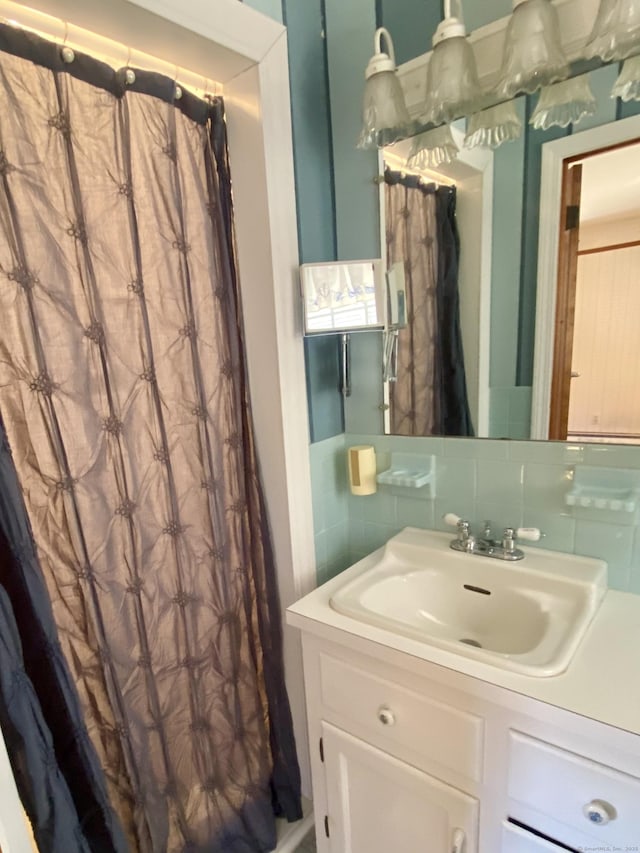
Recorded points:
(386, 716)
(597, 811)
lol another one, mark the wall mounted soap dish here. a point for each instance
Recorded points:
(614, 489)
(411, 471)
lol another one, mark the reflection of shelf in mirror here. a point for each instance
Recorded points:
(614, 489)
(410, 471)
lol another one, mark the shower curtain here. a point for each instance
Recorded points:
(55, 766)
(124, 394)
(429, 396)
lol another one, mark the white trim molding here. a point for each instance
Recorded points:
(553, 155)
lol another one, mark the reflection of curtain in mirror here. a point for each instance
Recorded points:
(429, 396)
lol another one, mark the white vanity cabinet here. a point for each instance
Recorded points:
(413, 757)
(376, 802)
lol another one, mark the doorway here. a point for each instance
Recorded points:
(596, 347)
(576, 148)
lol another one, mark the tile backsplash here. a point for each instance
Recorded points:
(511, 483)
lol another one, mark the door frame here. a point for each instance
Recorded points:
(554, 154)
(568, 244)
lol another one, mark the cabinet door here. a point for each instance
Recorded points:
(517, 840)
(378, 804)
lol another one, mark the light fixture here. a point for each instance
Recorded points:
(564, 103)
(453, 88)
(627, 86)
(433, 148)
(491, 127)
(385, 118)
(616, 31)
(533, 55)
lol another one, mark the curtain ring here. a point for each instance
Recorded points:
(177, 91)
(67, 53)
(129, 74)
(209, 94)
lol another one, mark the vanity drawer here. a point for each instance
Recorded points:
(419, 729)
(518, 840)
(559, 786)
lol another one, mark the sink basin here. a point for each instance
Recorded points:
(527, 616)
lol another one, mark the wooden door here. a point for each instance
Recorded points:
(379, 804)
(606, 349)
(565, 301)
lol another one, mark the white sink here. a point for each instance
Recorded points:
(528, 616)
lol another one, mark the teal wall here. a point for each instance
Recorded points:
(411, 25)
(508, 196)
(313, 163)
(271, 8)
(350, 30)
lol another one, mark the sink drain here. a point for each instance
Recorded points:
(473, 643)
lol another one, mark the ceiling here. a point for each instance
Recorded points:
(611, 184)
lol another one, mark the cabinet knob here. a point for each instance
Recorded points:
(386, 716)
(599, 812)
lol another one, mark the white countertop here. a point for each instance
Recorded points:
(601, 682)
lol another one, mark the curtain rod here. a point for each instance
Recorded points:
(113, 53)
(398, 164)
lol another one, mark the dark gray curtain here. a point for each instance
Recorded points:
(124, 394)
(429, 396)
(55, 766)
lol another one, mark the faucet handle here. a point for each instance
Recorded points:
(462, 526)
(509, 540)
(509, 536)
(532, 534)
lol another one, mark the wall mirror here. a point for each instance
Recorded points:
(512, 222)
(343, 296)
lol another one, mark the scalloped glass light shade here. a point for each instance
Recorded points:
(385, 118)
(533, 55)
(616, 32)
(490, 128)
(627, 86)
(433, 148)
(453, 88)
(564, 103)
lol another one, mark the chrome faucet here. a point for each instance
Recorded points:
(486, 545)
